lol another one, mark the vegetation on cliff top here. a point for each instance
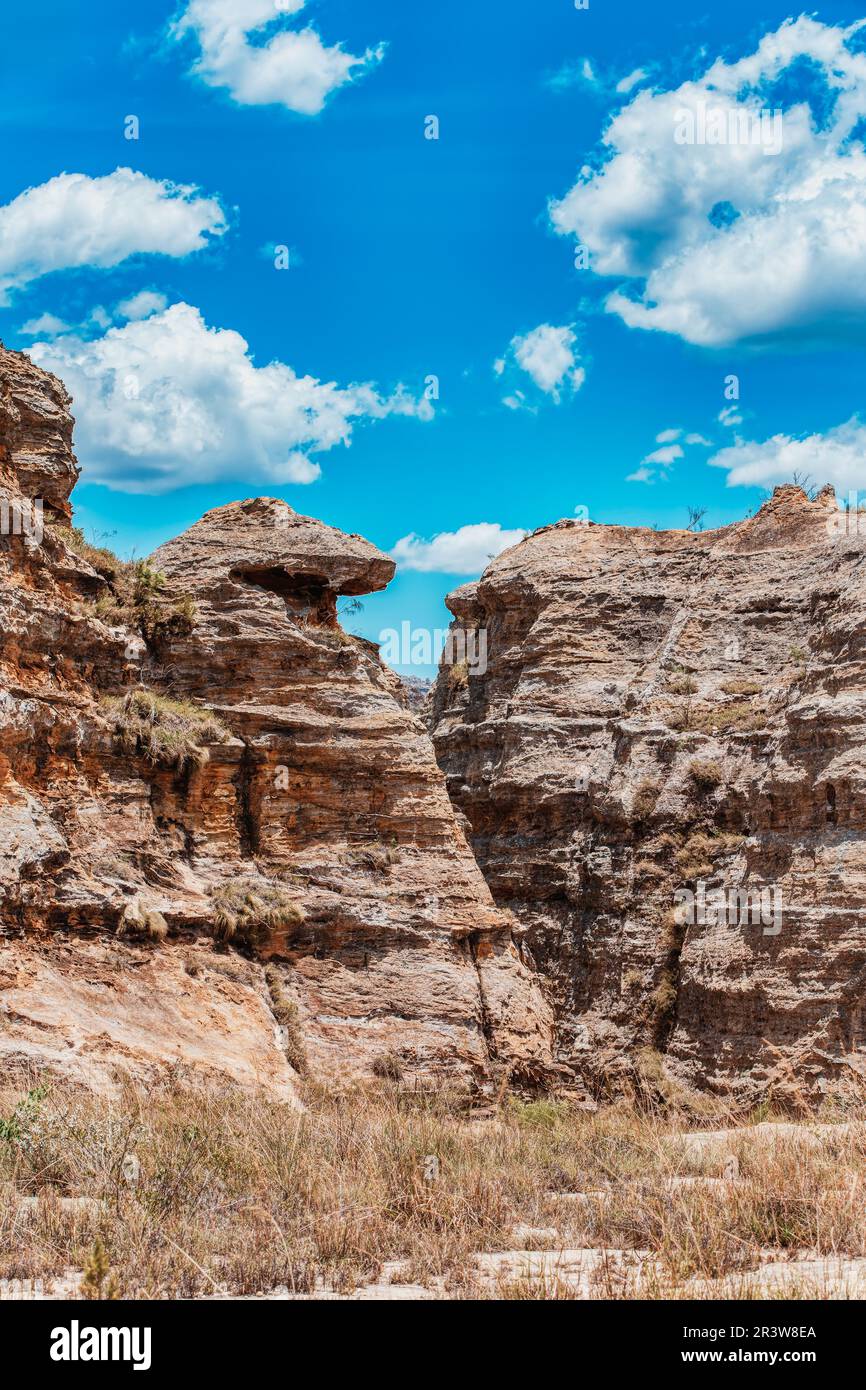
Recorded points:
(134, 596)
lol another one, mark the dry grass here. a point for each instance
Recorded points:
(706, 773)
(680, 683)
(646, 795)
(738, 716)
(168, 733)
(139, 920)
(375, 858)
(248, 909)
(285, 1010)
(134, 594)
(241, 1194)
(741, 687)
(458, 675)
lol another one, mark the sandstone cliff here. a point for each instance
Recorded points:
(224, 840)
(226, 845)
(670, 711)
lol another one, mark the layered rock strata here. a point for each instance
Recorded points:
(291, 893)
(665, 715)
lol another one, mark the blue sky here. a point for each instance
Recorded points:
(454, 258)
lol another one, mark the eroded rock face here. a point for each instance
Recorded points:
(324, 789)
(660, 711)
(335, 792)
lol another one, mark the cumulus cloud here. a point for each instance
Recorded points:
(74, 220)
(837, 457)
(547, 355)
(668, 436)
(142, 305)
(291, 68)
(730, 416)
(165, 401)
(465, 551)
(725, 242)
(45, 326)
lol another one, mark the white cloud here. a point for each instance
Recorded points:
(668, 436)
(626, 84)
(699, 439)
(669, 454)
(45, 326)
(466, 551)
(641, 475)
(74, 220)
(725, 242)
(165, 402)
(142, 305)
(548, 356)
(730, 416)
(837, 457)
(291, 68)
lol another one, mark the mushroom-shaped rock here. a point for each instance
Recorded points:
(262, 541)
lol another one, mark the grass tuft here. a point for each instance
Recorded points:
(168, 733)
(247, 910)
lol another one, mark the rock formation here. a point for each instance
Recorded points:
(225, 843)
(666, 713)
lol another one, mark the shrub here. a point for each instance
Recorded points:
(681, 683)
(706, 773)
(139, 920)
(248, 909)
(458, 675)
(388, 1066)
(377, 858)
(741, 687)
(646, 795)
(169, 733)
(285, 1011)
(134, 596)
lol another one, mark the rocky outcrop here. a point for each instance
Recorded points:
(225, 844)
(665, 714)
